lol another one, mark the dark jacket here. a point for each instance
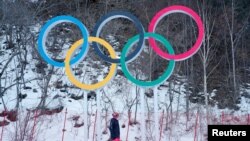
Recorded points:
(114, 128)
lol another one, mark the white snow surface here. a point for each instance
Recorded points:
(120, 92)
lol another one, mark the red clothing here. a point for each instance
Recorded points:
(117, 139)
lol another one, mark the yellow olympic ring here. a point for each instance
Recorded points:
(71, 76)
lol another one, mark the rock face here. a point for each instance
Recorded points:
(4, 123)
(76, 97)
(91, 95)
(51, 111)
(12, 116)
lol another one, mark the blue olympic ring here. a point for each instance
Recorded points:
(48, 26)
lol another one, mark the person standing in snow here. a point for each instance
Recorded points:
(114, 127)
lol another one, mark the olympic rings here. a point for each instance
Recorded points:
(139, 39)
(162, 78)
(91, 86)
(177, 9)
(110, 16)
(52, 23)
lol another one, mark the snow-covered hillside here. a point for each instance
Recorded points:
(63, 117)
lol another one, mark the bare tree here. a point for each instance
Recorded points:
(235, 36)
(208, 49)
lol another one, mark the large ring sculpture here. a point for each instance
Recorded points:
(150, 35)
